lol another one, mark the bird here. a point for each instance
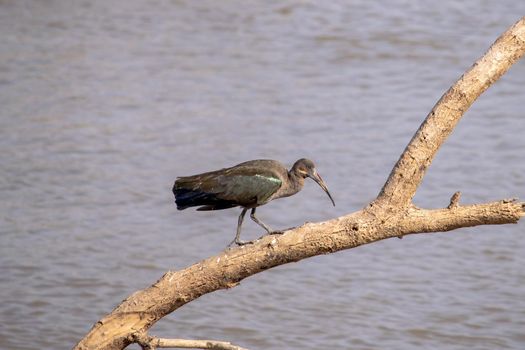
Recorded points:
(248, 185)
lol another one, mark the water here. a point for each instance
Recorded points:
(104, 103)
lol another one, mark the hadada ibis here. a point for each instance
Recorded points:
(248, 185)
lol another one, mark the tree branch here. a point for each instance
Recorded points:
(408, 173)
(439, 220)
(195, 344)
(391, 215)
(150, 343)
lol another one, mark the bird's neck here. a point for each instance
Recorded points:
(294, 184)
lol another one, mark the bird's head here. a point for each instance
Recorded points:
(306, 168)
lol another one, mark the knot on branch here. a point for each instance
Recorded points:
(509, 200)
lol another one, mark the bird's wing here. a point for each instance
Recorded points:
(244, 184)
(248, 186)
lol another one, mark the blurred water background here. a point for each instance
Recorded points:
(104, 103)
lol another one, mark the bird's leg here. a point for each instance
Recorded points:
(259, 222)
(238, 235)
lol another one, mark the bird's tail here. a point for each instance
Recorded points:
(185, 198)
(187, 195)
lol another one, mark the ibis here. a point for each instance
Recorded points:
(248, 185)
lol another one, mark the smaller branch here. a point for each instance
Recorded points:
(194, 344)
(149, 343)
(506, 211)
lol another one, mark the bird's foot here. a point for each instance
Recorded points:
(280, 232)
(239, 243)
(274, 232)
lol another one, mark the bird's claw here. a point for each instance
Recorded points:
(280, 232)
(239, 243)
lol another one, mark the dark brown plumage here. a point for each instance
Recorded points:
(248, 185)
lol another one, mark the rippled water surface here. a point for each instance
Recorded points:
(104, 103)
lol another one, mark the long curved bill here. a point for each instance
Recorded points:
(317, 178)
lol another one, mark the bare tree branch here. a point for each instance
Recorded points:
(195, 344)
(150, 343)
(391, 214)
(407, 174)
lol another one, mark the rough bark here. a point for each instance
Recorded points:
(391, 214)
